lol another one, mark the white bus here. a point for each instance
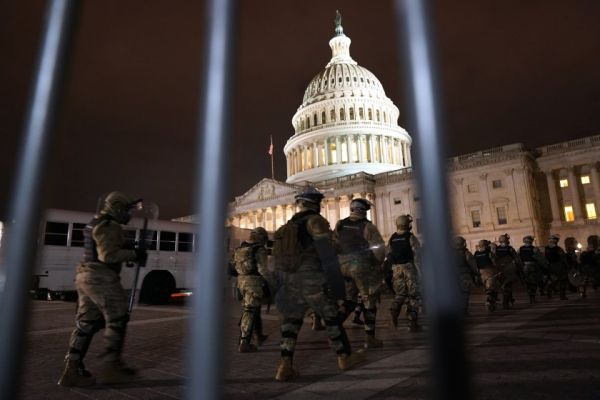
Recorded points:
(168, 270)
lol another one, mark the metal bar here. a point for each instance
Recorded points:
(444, 314)
(23, 222)
(206, 323)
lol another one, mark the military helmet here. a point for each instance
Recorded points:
(259, 235)
(483, 243)
(404, 222)
(554, 238)
(311, 195)
(593, 241)
(460, 242)
(118, 205)
(528, 239)
(505, 238)
(360, 205)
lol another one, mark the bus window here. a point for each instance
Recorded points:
(77, 235)
(185, 242)
(152, 244)
(167, 241)
(56, 233)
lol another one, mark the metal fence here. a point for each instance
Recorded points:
(417, 48)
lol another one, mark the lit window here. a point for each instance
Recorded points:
(501, 211)
(476, 217)
(569, 216)
(564, 183)
(333, 155)
(585, 179)
(591, 210)
(472, 188)
(496, 184)
(344, 147)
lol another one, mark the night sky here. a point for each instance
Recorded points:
(511, 71)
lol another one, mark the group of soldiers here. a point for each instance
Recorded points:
(310, 269)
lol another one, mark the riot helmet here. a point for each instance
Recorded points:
(259, 235)
(360, 206)
(403, 222)
(528, 240)
(504, 240)
(593, 242)
(553, 240)
(119, 206)
(460, 243)
(483, 245)
(309, 197)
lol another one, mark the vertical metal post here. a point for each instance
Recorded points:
(439, 270)
(206, 323)
(23, 223)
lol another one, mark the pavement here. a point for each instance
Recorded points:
(549, 350)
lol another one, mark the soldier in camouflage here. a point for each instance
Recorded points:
(404, 255)
(361, 252)
(490, 274)
(590, 264)
(250, 261)
(557, 268)
(509, 263)
(308, 287)
(533, 264)
(468, 274)
(102, 302)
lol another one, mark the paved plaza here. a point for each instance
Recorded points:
(550, 350)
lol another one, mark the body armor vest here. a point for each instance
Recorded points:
(401, 249)
(351, 237)
(552, 254)
(90, 254)
(482, 258)
(504, 251)
(526, 253)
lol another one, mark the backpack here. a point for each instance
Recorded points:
(244, 259)
(287, 247)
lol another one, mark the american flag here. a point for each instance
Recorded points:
(271, 147)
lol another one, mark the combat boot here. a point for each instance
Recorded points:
(347, 362)
(317, 325)
(371, 342)
(247, 348)
(72, 376)
(112, 372)
(285, 370)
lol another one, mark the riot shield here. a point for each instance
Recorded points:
(142, 216)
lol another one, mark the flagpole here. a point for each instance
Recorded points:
(272, 164)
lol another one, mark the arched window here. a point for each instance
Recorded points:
(342, 114)
(370, 115)
(323, 117)
(302, 125)
(352, 116)
(315, 119)
(361, 113)
(307, 122)
(385, 117)
(378, 116)
(332, 115)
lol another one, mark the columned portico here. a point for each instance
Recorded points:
(553, 197)
(576, 198)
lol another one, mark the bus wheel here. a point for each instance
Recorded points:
(157, 287)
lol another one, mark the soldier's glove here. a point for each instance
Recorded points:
(141, 256)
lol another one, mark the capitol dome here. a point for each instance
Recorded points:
(345, 124)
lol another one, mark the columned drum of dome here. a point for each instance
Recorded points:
(345, 124)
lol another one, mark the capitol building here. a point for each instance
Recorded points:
(348, 144)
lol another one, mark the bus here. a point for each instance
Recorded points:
(168, 269)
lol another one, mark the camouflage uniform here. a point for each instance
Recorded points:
(590, 264)
(557, 268)
(532, 260)
(251, 265)
(102, 301)
(468, 274)
(490, 274)
(403, 252)
(361, 252)
(509, 263)
(307, 288)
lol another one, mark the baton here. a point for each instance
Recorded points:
(136, 276)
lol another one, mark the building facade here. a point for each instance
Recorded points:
(347, 143)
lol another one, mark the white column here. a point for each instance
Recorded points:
(326, 152)
(255, 219)
(359, 145)
(408, 156)
(384, 157)
(274, 218)
(573, 185)
(512, 208)
(553, 197)
(401, 153)
(315, 150)
(595, 186)
(371, 148)
(463, 217)
(349, 148)
(338, 150)
(487, 218)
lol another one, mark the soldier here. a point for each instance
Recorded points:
(572, 260)
(533, 264)
(468, 274)
(306, 284)
(102, 301)
(557, 268)
(250, 261)
(361, 252)
(490, 274)
(590, 264)
(404, 254)
(509, 263)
